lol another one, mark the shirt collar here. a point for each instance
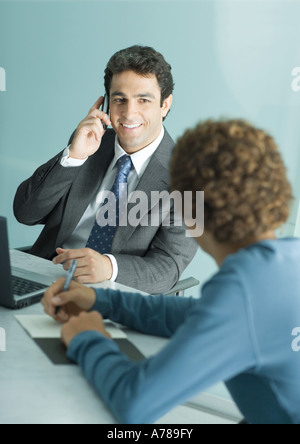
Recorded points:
(140, 159)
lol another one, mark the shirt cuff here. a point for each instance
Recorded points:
(103, 303)
(114, 267)
(68, 162)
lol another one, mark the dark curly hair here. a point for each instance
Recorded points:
(143, 60)
(242, 174)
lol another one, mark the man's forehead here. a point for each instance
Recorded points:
(129, 82)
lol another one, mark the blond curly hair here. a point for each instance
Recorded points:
(242, 174)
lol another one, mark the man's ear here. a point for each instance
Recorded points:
(167, 106)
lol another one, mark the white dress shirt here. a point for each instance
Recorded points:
(140, 161)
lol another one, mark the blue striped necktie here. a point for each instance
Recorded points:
(101, 237)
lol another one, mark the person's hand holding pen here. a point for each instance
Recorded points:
(92, 267)
(62, 304)
(69, 302)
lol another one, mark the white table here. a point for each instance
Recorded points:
(34, 391)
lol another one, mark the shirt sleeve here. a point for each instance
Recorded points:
(68, 162)
(213, 344)
(115, 267)
(153, 315)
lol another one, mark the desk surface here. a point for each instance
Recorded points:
(33, 390)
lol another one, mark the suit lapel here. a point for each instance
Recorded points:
(86, 185)
(155, 178)
(91, 175)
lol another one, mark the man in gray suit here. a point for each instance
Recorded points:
(65, 194)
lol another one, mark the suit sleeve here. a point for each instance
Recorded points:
(159, 270)
(37, 196)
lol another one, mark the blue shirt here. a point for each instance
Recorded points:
(239, 331)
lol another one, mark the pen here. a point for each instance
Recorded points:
(68, 281)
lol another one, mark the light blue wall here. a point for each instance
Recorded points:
(229, 58)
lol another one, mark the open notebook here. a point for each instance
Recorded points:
(46, 333)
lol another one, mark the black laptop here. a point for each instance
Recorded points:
(18, 288)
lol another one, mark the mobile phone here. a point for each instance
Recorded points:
(105, 109)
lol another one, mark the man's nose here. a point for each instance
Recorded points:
(130, 109)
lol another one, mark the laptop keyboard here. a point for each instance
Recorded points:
(22, 287)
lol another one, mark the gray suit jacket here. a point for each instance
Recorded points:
(149, 258)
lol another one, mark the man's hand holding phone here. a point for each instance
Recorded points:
(89, 132)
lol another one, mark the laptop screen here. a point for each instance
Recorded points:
(5, 269)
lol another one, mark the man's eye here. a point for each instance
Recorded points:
(118, 101)
(144, 101)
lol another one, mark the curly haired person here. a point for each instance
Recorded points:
(240, 330)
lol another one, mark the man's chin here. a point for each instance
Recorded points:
(132, 145)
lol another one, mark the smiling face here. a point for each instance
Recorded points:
(135, 109)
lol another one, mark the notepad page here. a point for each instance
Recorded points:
(42, 326)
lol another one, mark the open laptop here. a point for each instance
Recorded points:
(18, 288)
